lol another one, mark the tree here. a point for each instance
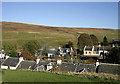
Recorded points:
(26, 55)
(84, 40)
(32, 47)
(105, 41)
(94, 39)
(68, 45)
(11, 50)
(113, 56)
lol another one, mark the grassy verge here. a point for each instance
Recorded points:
(34, 76)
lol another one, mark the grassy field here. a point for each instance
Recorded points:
(34, 76)
(19, 33)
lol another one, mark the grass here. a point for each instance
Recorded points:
(34, 76)
(19, 34)
(53, 39)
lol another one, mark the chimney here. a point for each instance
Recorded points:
(20, 59)
(37, 60)
(59, 61)
(59, 47)
(99, 45)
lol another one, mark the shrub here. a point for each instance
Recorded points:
(113, 56)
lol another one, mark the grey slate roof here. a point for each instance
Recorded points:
(26, 65)
(96, 49)
(11, 62)
(113, 40)
(70, 67)
(67, 67)
(43, 63)
(52, 51)
(1, 61)
(104, 48)
(88, 67)
(88, 48)
(105, 68)
(64, 49)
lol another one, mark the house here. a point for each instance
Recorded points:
(2, 54)
(69, 67)
(65, 51)
(27, 65)
(44, 66)
(76, 67)
(95, 51)
(1, 61)
(85, 68)
(115, 43)
(50, 66)
(51, 52)
(11, 63)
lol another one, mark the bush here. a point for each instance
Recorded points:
(113, 56)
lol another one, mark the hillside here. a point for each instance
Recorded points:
(23, 27)
(19, 33)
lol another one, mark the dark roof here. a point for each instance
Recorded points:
(26, 65)
(3, 51)
(115, 40)
(70, 67)
(88, 48)
(1, 61)
(43, 63)
(11, 62)
(52, 51)
(105, 48)
(96, 49)
(88, 67)
(63, 49)
(109, 68)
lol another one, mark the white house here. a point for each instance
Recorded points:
(11, 63)
(65, 51)
(2, 54)
(49, 66)
(51, 52)
(95, 51)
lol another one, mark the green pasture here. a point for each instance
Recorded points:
(34, 76)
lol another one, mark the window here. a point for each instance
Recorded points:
(89, 52)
